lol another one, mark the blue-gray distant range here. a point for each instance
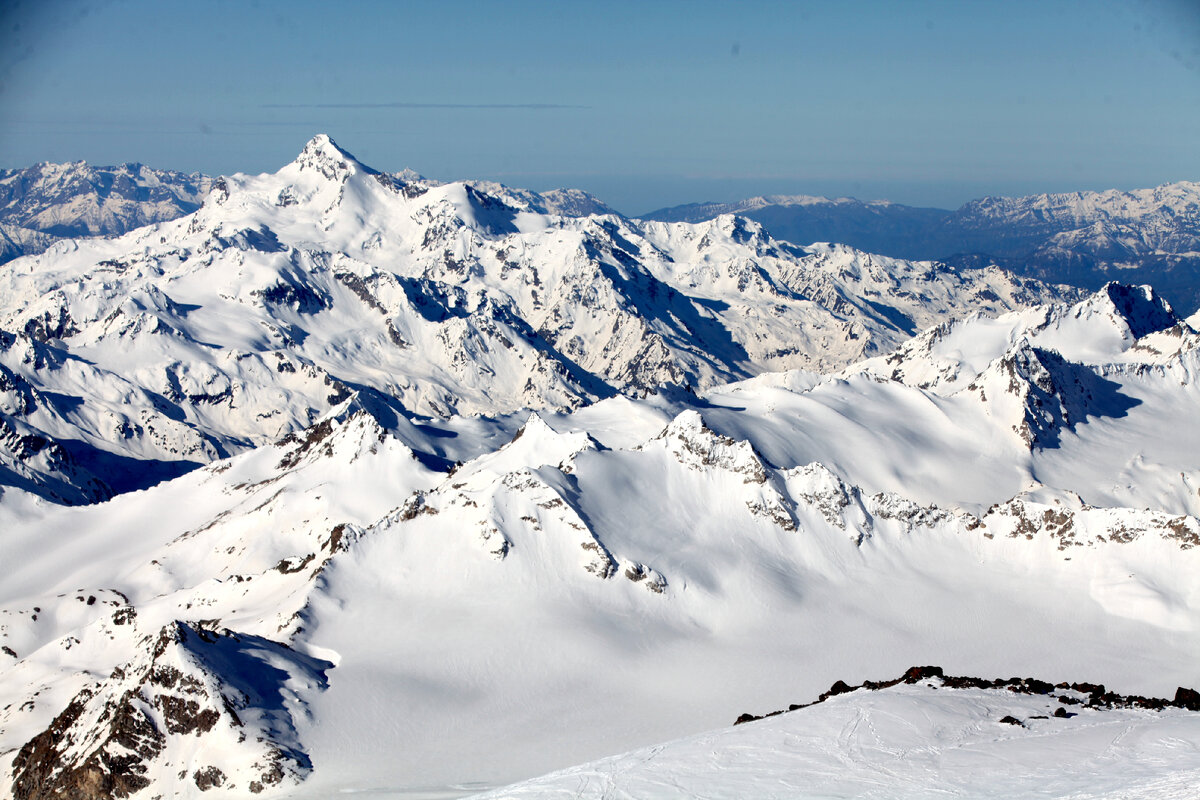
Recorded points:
(47, 202)
(1080, 238)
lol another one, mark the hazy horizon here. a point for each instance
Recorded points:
(645, 106)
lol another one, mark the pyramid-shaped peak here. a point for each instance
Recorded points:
(535, 424)
(325, 156)
(553, 446)
(323, 143)
(534, 445)
(1142, 310)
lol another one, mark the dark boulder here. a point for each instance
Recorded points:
(916, 674)
(1187, 698)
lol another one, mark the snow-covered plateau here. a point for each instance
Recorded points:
(352, 482)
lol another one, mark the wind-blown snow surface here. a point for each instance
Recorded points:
(138, 357)
(1002, 496)
(908, 742)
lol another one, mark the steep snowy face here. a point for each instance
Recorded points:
(1094, 399)
(178, 675)
(559, 202)
(284, 294)
(1118, 325)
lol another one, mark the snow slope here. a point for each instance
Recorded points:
(557, 600)
(627, 573)
(914, 740)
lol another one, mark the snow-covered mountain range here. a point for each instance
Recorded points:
(46, 202)
(625, 573)
(1080, 238)
(425, 489)
(285, 294)
(1083, 239)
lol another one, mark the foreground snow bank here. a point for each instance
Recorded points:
(926, 736)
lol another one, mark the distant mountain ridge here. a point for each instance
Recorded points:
(877, 227)
(47, 202)
(1081, 238)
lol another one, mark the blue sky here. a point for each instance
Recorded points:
(645, 104)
